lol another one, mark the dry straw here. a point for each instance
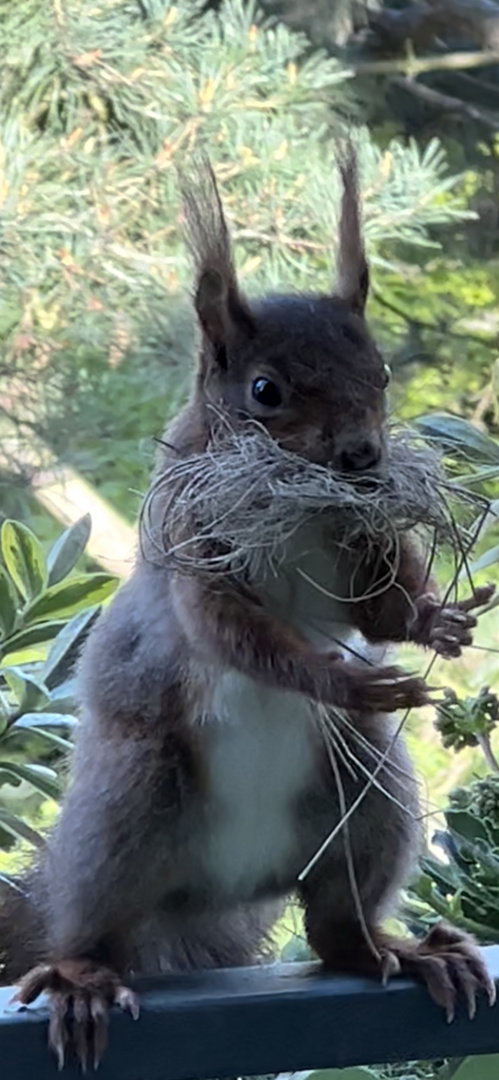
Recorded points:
(233, 508)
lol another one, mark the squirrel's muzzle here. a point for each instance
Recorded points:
(359, 454)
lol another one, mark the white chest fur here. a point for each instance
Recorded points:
(258, 741)
(260, 757)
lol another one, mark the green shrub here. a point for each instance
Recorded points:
(46, 611)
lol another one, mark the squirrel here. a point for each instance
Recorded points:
(199, 787)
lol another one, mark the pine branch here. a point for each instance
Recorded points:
(413, 65)
(98, 112)
(447, 103)
(471, 20)
(433, 327)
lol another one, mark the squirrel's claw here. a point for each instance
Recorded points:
(81, 995)
(450, 964)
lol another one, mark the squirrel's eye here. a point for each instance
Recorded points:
(266, 393)
(386, 375)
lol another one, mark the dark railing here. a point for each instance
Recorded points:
(280, 1018)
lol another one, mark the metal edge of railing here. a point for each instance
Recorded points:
(255, 1021)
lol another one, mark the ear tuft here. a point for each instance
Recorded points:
(220, 308)
(210, 301)
(352, 268)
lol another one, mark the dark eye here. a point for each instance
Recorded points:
(266, 393)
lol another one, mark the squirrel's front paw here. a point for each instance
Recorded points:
(449, 628)
(387, 689)
(81, 993)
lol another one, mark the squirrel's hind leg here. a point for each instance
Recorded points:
(446, 960)
(350, 891)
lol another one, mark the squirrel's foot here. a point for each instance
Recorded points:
(448, 961)
(81, 994)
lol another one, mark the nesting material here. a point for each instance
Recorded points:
(233, 508)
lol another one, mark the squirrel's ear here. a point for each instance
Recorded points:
(220, 308)
(352, 269)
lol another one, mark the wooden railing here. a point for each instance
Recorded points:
(280, 1018)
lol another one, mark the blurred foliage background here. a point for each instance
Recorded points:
(101, 105)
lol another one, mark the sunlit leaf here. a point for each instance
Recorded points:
(62, 698)
(5, 713)
(46, 720)
(45, 725)
(66, 551)
(68, 598)
(18, 829)
(33, 635)
(478, 476)
(67, 645)
(8, 606)
(64, 745)
(30, 690)
(40, 777)
(489, 558)
(24, 559)
(461, 437)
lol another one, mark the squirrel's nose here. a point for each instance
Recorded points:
(360, 455)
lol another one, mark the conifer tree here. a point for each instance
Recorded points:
(101, 105)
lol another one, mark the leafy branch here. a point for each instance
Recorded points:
(46, 611)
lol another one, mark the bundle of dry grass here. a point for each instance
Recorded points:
(234, 508)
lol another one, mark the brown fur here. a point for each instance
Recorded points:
(126, 885)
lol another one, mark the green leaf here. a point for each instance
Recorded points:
(67, 644)
(5, 713)
(467, 825)
(11, 883)
(477, 477)
(296, 950)
(40, 777)
(24, 559)
(478, 1068)
(8, 606)
(42, 724)
(487, 559)
(424, 884)
(7, 840)
(356, 1073)
(444, 875)
(46, 720)
(458, 435)
(67, 598)
(33, 635)
(9, 778)
(30, 691)
(64, 555)
(62, 698)
(49, 736)
(17, 828)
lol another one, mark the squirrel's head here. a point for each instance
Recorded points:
(305, 366)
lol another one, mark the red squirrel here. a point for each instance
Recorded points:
(200, 786)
